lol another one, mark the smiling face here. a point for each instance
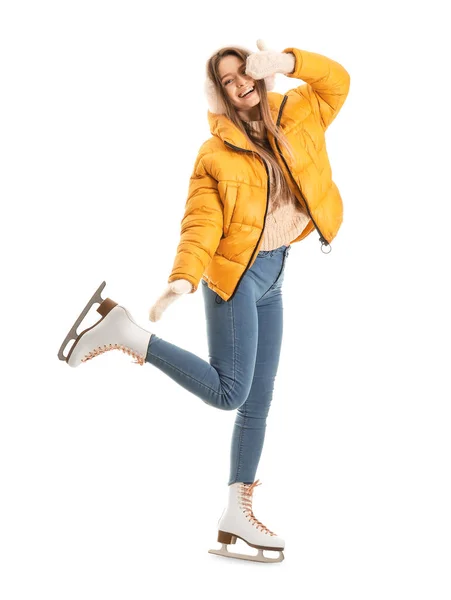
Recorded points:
(234, 81)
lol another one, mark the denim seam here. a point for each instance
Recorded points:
(240, 452)
(234, 346)
(238, 465)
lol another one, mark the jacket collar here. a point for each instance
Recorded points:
(222, 127)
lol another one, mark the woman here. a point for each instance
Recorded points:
(260, 183)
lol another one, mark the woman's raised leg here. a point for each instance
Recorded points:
(232, 331)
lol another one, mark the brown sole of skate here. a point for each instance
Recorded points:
(106, 304)
(226, 538)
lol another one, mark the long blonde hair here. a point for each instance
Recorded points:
(280, 187)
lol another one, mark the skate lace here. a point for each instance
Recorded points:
(139, 358)
(246, 500)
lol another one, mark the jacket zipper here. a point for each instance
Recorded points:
(266, 209)
(322, 239)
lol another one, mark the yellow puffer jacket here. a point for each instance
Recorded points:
(228, 191)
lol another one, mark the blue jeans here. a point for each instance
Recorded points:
(244, 342)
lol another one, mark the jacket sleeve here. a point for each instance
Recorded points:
(201, 226)
(327, 83)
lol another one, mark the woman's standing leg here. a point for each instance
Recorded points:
(250, 424)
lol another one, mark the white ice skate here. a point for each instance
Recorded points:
(116, 330)
(238, 521)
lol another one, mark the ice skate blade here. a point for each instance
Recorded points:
(73, 335)
(259, 557)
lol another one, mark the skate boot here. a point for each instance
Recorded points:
(116, 330)
(238, 521)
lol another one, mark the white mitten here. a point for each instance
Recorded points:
(268, 62)
(174, 291)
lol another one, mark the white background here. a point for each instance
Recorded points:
(112, 476)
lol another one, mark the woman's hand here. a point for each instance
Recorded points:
(268, 62)
(174, 291)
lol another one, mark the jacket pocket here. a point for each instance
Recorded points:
(229, 194)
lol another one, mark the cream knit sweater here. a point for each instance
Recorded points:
(286, 222)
